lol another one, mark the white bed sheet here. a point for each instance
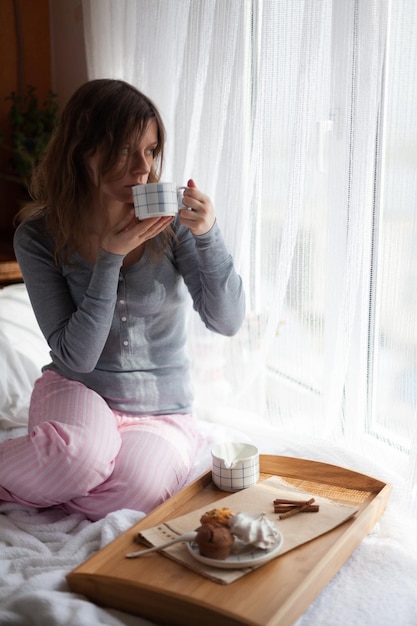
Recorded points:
(377, 586)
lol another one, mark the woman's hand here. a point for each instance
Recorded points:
(128, 234)
(201, 217)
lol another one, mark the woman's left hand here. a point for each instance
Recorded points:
(201, 217)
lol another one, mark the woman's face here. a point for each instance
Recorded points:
(133, 168)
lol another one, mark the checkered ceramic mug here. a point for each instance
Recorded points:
(235, 466)
(157, 200)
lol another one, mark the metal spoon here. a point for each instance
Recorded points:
(181, 538)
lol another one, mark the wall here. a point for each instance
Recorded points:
(35, 68)
(53, 58)
(68, 63)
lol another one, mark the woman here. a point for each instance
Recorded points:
(110, 423)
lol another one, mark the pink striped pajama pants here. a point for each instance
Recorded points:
(82, 456)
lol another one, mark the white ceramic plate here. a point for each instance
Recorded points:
(248, 556)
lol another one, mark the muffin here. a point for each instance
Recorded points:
(217, 516)
(214, 541)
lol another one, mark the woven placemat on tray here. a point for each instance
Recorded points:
(333, 492)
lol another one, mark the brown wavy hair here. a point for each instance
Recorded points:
(105, 115)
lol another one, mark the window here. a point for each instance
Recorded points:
(394, 296)
(344, 350)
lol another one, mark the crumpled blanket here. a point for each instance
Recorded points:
(38, 549)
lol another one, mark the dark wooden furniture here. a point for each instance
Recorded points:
(9, 268)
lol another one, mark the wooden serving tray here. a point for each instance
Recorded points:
(276, 594)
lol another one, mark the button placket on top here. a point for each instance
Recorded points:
(122, 312)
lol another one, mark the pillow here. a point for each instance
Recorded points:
(23, 352)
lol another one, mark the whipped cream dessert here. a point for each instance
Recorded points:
(254, 529)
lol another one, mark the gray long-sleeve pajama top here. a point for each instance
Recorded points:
(122, 331)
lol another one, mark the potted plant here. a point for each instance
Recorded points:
(31, 126)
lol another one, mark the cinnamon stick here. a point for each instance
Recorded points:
(283, 508)
(297, 509)
(286, 501)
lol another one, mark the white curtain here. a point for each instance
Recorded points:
(297, 118)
